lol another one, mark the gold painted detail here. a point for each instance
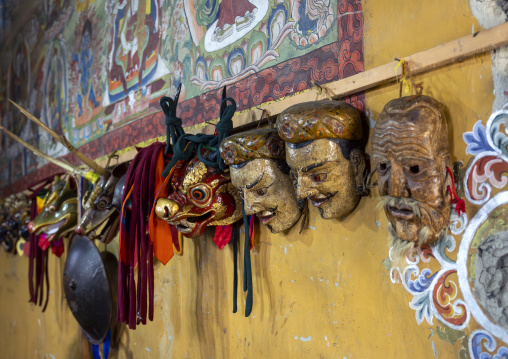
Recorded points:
(237, 214)
(194, 176)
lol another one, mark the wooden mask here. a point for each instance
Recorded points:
(259, 171)
(324, 148)
(410, 150)
(199, 196)
(59, 215)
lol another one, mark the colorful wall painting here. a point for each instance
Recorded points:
(97, 68)
(441, 277)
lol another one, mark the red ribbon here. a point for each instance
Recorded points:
(460, 205)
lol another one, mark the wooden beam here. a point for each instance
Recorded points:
(423, 61)
(441, 55)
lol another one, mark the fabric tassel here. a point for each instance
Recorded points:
(223, 234)
(57, 247)
(37, 263)
(460, 204)
(136, 298)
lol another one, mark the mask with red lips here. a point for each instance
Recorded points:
(200, 196)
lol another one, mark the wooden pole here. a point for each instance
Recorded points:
(38, 152)
(89, 162)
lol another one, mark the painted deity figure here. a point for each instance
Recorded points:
(84, 59)
(259, 171)
(410, 151)
(324, 148)
(233, 12)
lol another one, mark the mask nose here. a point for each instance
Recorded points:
(398, 186)
(30, 227)
(80, 230)
(250, 205)
(303, 188)
(166, 209)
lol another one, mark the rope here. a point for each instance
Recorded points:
(186, 145)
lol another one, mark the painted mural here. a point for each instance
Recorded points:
(442, 278)
(98, 68)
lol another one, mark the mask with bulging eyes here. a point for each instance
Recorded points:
(199, 196)
(324, 148)
(260, 173)
(410, 151)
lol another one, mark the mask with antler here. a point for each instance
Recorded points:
(200, 196)
(102, 206)
(200, 192)
(59, 215)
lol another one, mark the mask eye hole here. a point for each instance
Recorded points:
(52, 209)
(382, 166)
(199, 194)
(414, 169)
(318, 177)
(260, 192)
(102, 204)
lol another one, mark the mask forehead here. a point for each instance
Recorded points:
(255, 172)
(317, 152)
(406, 135)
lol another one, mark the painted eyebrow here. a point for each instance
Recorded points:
(311, 167)
(249, 186)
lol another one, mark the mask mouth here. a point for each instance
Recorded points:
(187, 225)
(321, 198)
(266, 216)
(50, 229)
(401, 210)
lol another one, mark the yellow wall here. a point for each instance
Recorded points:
(323, 294)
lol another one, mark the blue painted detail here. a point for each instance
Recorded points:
(423, 281)
(237, 52)
(476, 349)
(278, 10)
(477, 140)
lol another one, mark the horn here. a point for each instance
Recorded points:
(89, 162)
(65, 166)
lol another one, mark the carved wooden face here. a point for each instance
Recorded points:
(103, 204)
(59, 215)
(410, 150)
(200, 196)
(323, 176)
(268, 193)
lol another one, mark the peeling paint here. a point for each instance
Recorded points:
(303, 339)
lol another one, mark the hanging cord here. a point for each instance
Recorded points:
(247, 269)
(406, 79)
(186, 145)
(460, 205)
(234, 239)
(174, 129)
